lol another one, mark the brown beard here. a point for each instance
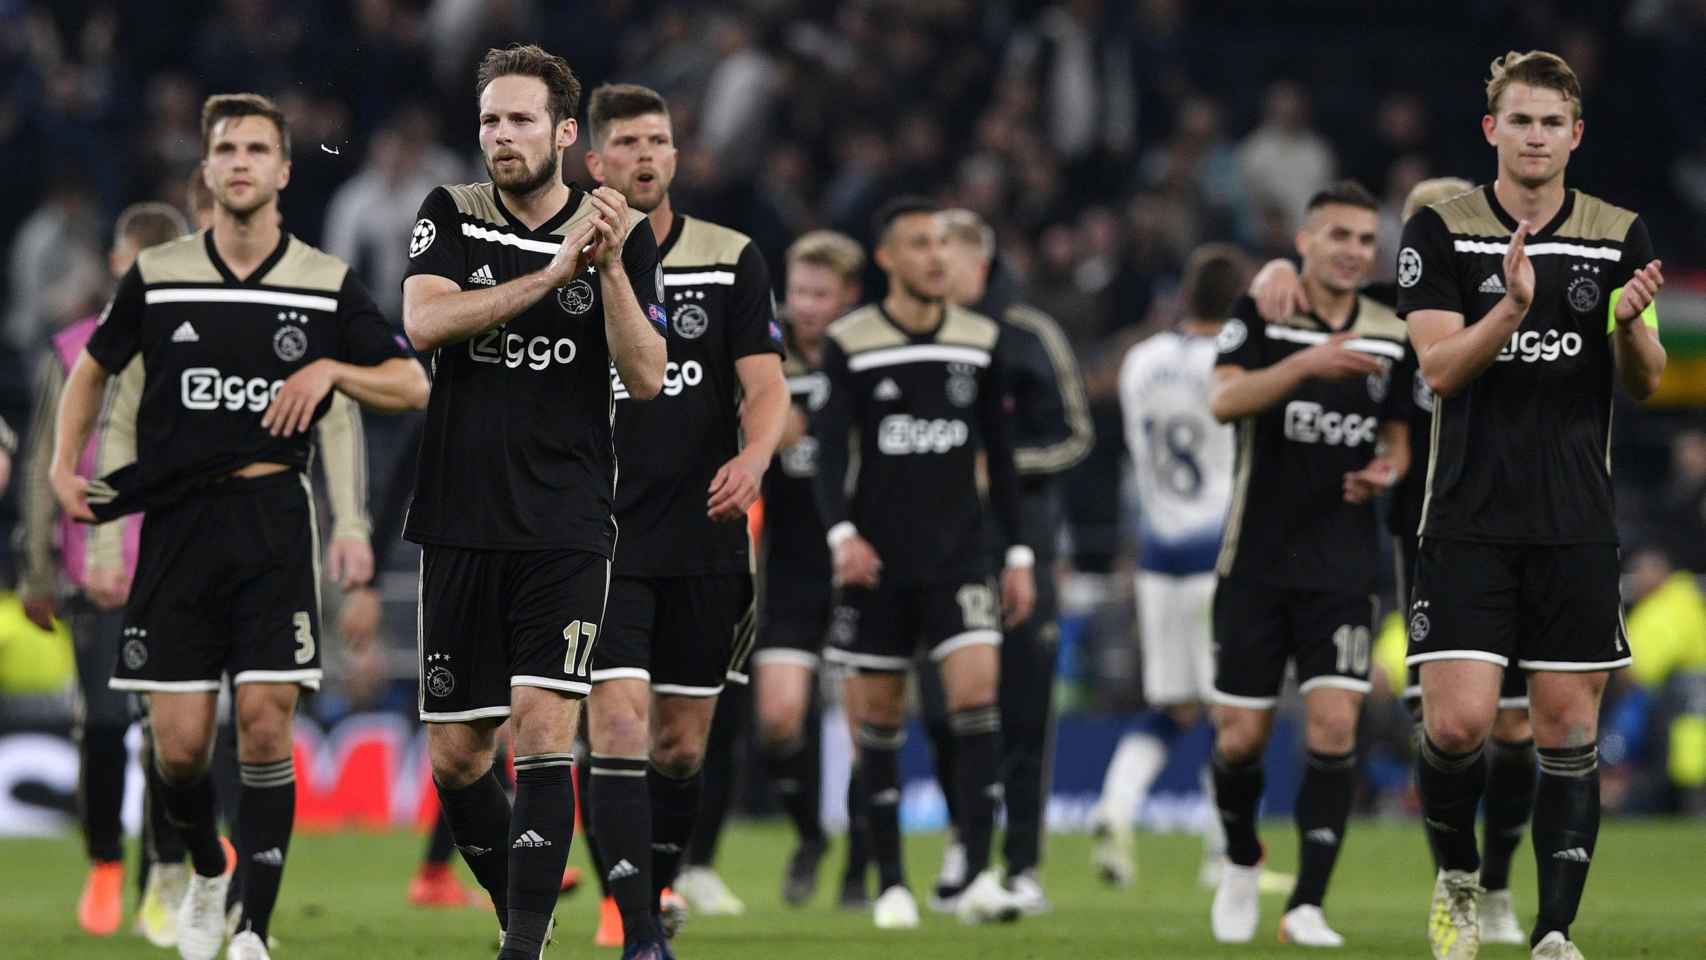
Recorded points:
(529, 184)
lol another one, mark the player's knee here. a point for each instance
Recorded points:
(180, 760)
(678, 753)
(1512, 726)
(457, 768)
(779, 726)
(1331, 734)
(263, 730)
(882, 709)
(1455, 731)
(1239, 738)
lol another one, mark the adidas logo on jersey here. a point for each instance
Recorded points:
(1574, 855)
(482, 277)
(1322, 835)
(185, 334)
(622, 871)
(1493, 285)
(272, 858)
(887, 390)
(530, 839)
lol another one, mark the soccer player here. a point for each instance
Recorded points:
(822, 284)
(1051, 434)
(56, 576)
(1321, 429)
(919, 383)
(1183, 460)
(525, 291)
(1523, 344)
(244, 332)
(1510, 757)
(680, 617)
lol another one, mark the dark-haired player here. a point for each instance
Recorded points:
(681, 604)
(917, 384)
(523, 291)
(1320, 412)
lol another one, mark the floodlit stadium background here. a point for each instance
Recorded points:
(1105, 140)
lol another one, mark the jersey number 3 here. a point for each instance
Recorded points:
(580, 654)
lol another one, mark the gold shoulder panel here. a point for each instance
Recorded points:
(965, 328)
(309, 268)
(475, 200)
(1468, 214)
(865, 329)
(706, 244)
(1594, 219)
(1375, 319)
(183, 260)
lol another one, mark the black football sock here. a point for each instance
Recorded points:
(103, 760)
(161, 841)
(945, 763)
(622, 807)
(1451, 785)
(1323, 807)
(879, 767)
(478, 815)
(1566, 826)
(189, 807)
(541, 827)
(977, 774)
(675, 807)
(1237, 792)
(793, 770)
(264, 825)
(583, 797)
(1506, 808)
(858, 829)
(717, 775)
(440, 844)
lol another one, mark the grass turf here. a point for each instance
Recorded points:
(343, 899)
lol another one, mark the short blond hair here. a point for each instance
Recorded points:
(1536, 68)
(964, 226)
(1429, 192)
(836, 252)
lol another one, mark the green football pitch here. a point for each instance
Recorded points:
(343, 900)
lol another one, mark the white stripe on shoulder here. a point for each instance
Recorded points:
(475, 232)
(276, 298)
(1554, 248)
(917, 353)
(724, 278)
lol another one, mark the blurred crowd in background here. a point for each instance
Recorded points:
(1104, 140)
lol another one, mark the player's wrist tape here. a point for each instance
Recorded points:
(1649, 313)
(1021, 557)
(841, 533)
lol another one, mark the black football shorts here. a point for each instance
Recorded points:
(227, 581)
(687, 636)
(793, 623)
(1327, 635)
(880, 630)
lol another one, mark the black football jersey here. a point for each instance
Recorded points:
(717, 295)
(217, 348)
(1288, 524)
(922, 407)
(1523, 453)
(794, 548)
(518, 453)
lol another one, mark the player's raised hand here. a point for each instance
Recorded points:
(571, 255)
(72, 492)
(292, 411)
(733, 490)
(1018, 595)
(1361, 486)
(1335, 360)
(857, 563)
(612, 216)
(1641, 290)
(1278, 291)
(1519, 271)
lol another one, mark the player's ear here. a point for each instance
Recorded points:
(881, 256)
(1576, 135)
(567, 132)
(595, 165)
(1489, 124)
(1301, 241)
(284, 175)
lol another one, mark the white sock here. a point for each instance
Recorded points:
(1214, 832)
(1137, 761)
